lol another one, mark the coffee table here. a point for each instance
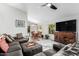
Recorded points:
(31, 48)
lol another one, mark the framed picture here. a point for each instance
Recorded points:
(19, 23)
(52, 28)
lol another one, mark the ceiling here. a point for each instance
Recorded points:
(20, 6)
(38, 14)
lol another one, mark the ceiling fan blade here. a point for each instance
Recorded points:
(45, 4)
(53, 6)
(50, 5)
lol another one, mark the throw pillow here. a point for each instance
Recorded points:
(11, 37)
(8, 39)
(3, 44)
(19, 35)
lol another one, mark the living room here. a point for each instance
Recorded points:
(39, 29)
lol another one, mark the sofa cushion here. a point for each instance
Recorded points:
(22, 40)
(14, 43)
(19, 35)
(49, 52)
(57, 46)
(15, 53)
(14, 48)
(2, 54)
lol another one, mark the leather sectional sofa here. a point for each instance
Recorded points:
(14, 47)
(14, 50)
(17, 47)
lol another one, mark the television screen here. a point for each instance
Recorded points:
(66, 26)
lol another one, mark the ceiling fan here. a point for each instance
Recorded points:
(50, 5)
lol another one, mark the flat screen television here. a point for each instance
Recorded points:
(66, 26)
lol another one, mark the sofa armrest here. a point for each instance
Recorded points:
(22, 40)
(57, 46)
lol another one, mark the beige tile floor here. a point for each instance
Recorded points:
(46, 44)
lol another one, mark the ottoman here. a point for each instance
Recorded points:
(32, 50)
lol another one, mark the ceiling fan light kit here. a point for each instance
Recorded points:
(50, 5)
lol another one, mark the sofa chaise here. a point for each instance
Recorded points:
(14, 46)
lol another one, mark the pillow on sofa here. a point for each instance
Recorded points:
(19, 35)
(8, 39)
(3, 44)
(11, 37)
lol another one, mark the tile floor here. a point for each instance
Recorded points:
(46, 44)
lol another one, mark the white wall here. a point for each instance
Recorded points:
(8, 15)
(20, 6)
(45, 28)
(41, 15)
